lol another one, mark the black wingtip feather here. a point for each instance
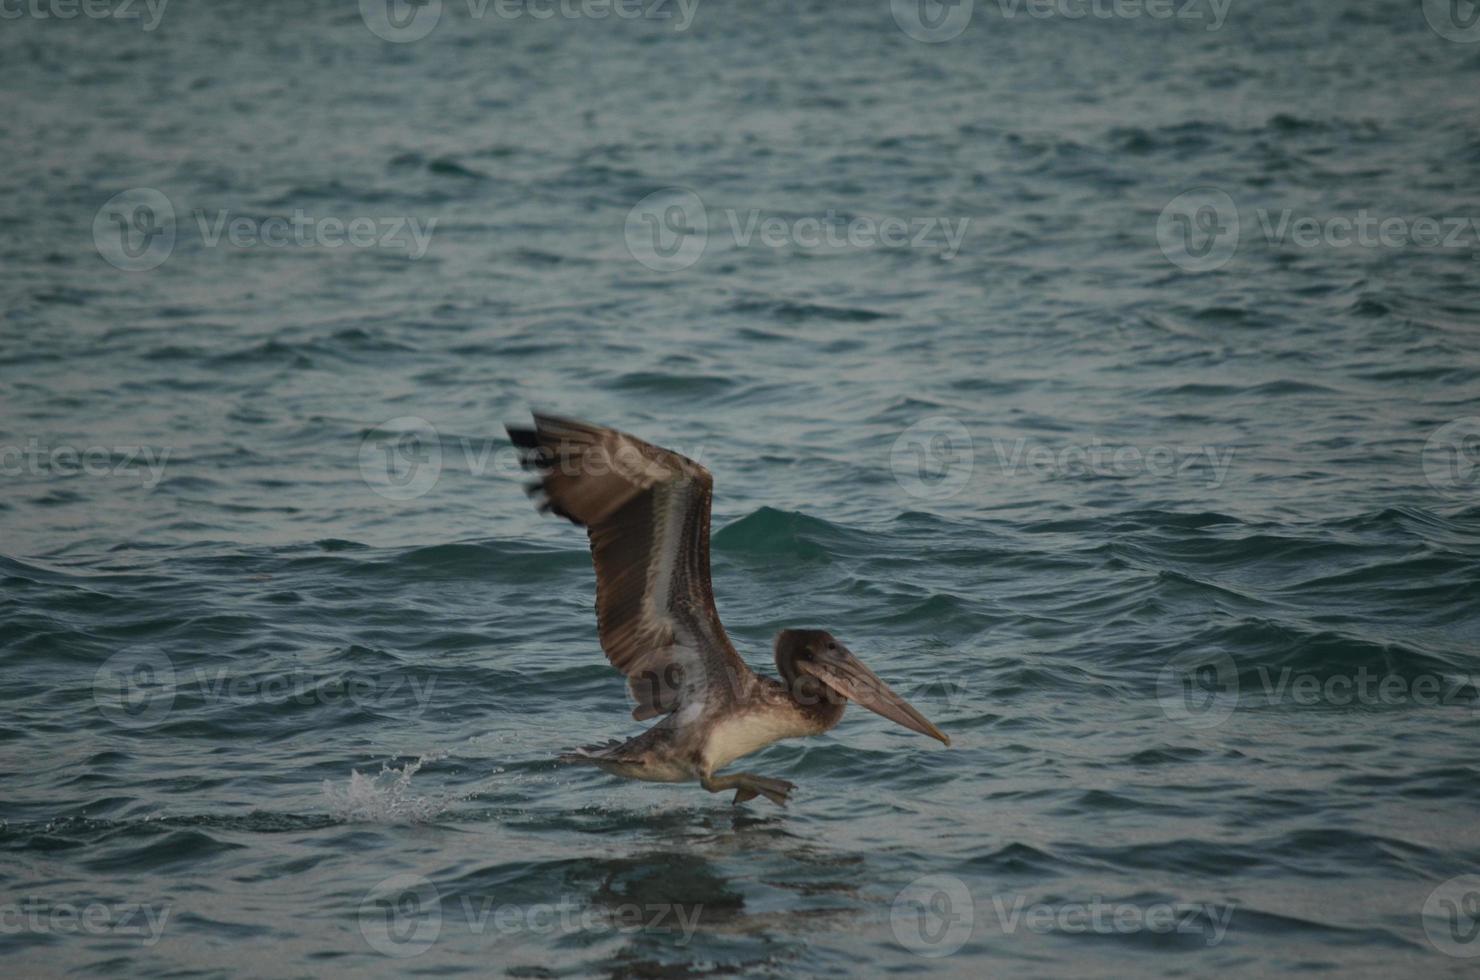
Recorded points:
(539, 459)
(532, 455)
(522, 437)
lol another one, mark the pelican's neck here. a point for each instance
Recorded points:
(820, 707)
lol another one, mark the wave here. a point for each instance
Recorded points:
(769, 532)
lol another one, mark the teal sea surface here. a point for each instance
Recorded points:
(1097, 379)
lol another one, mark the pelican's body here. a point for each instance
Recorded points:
(646, 511)
(691, 744)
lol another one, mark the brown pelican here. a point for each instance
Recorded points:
(646, 511)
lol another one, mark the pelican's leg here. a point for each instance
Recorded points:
(747, 785)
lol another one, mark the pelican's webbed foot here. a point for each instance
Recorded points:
(747, 786)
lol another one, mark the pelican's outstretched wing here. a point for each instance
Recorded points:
(646, 511)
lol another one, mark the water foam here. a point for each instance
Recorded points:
(386, 796)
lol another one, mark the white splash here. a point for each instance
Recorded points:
(386, 796)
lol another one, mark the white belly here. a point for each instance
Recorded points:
(741, 735)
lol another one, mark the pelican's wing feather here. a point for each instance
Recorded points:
(646, 512)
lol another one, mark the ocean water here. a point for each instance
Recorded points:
(1108, 383)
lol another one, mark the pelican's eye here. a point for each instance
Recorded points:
(831, 646)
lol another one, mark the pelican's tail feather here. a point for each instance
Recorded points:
(606, 752)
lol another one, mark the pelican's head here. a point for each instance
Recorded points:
(818, 655)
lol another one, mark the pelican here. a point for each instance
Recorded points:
(646, 512)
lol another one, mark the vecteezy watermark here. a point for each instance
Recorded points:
(404, 915)
(1199, 230)
(934, 21)
(142, 463)
(670, 229)
(1109, 918)
(138, 689)
(136, 230)
(933, 458)
(42, 916)
(1201, 690)
(933, 915)
(1454, 20)
(1451, 917)
(1451, 458)
(401, 458)
(404, 457)
(150, 12)
(299, 230)
(1365, 687)
(401, 21)
(931, 21)
(1188, 10)
(1208, 464)
(1366, 230)
(135, 689)
(679, 12)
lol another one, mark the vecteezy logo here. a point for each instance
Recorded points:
(1451, 917)
(135, 689)
(135, 230)
(400, 21)
(1451, 457)
(1199, 690)
(667, 230)
(933, 916)
(401, 458)
(931, 21)
(932, 459)
(1454, 20)
(1198, 230)
(401, 916)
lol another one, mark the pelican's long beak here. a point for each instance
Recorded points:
(843, 672)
